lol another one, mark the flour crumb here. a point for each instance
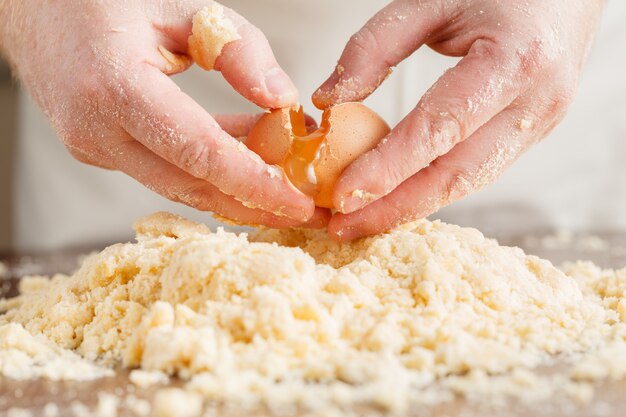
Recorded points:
(275, 171)
(174, 63)
(50, 410)
(80, 410)
(138, 406)
(24, 356)
(107, 405)
(363, 195)
(145, 379)
(175, 402)
(581, 392)
(525, 124)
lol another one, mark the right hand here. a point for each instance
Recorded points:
(96, 71)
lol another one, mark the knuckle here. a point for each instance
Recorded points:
(441, 130)
(552, 106)
(393, 170)
(535, 59)
(366, 42)
(531, 59)
(452, 181)
(394, 174)
(195, 157)
(487, 49)
(446, 128)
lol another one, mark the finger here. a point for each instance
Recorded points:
(169, 123)
(470, 166)
(247, 62)
(481, 85)
(237, 125)
(175, 184)
(386, 39)
(249, 65)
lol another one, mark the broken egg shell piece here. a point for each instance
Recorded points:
(271, 136)
(354, 129)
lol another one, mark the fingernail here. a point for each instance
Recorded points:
(356, 201)
(322, 97)
(279, 85)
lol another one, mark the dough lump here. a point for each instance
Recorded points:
(211, 31)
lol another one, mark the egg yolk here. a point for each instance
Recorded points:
(304, 151)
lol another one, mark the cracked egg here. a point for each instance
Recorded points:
(313, 161)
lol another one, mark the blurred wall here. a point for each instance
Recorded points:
(8, 134)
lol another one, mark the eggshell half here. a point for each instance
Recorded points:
(353, 130)
(271, 136)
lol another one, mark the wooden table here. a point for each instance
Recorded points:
(607, 250)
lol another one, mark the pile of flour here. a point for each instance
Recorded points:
(290, 317)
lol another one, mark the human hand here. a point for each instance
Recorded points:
(519, 72)
(99, 70)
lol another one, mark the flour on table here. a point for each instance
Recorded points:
(145, 379)
(175, 402)
(291, 318)
(27, 356)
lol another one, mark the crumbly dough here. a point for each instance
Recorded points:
(145, 379)
(175, 402)
(284, 317)
(174, 63)
(26, 356)
(211, 31)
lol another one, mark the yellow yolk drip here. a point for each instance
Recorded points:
(304, 151)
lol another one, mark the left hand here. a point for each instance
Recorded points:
(519, 72)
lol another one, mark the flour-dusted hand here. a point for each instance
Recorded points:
(99, 70)
(519, 71)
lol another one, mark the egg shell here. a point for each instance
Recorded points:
(271, 136)
(353, 130)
